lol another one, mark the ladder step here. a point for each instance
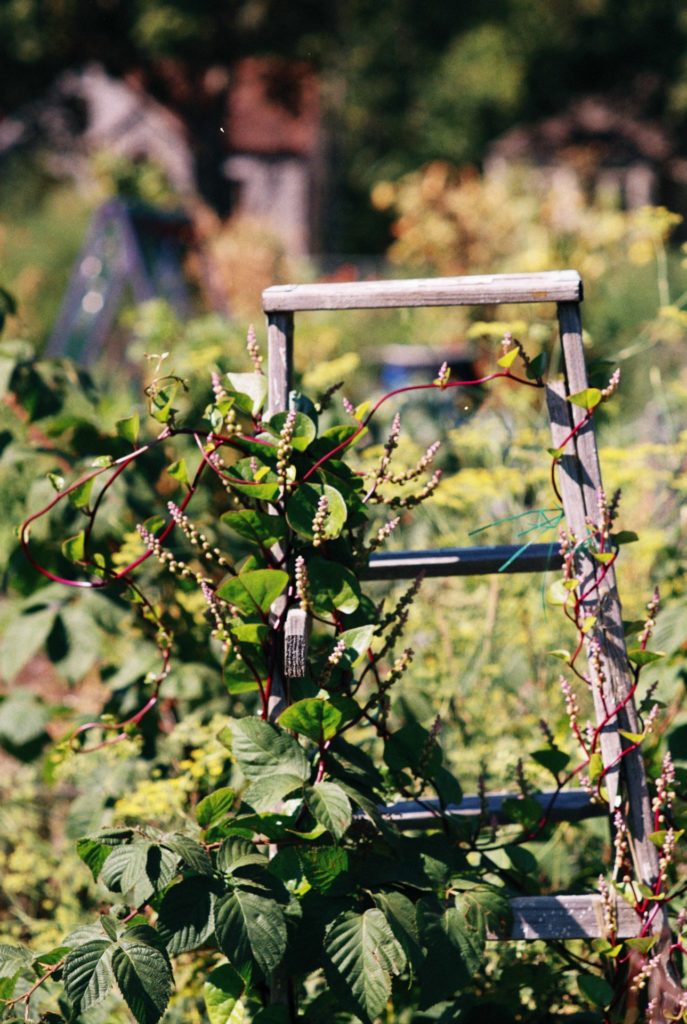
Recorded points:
(567, 917)
(472, 561)
(571, 805)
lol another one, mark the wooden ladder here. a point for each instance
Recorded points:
(546, 917)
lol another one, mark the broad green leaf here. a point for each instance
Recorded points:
(192, 853)
(254, 591)
(23, 719)
(23, 636)
(215, 806)
(262, 749)
(357, 641)
(249, 926)
(552, 759)
(605, 557)
(81, 495)
(238, 853)
(658, 838)
(361, 954)
(128, 428)
(254, 386)
(87, 974)
(93, 854)
(640, 657)
(302, 507)
(643, 943)
(587, 399)
(318, 718)
(304, 430)
(526, 812)
(179, 471)
(561, 654)
(262, 485)
(222, 993)
(633, 737)
(13, 959)
(330, 806)
(74, 548)
(624, 537)
(400, 913)
(333, 586)
(143, 973)
(595, 989)
(537, 366)
(557, 593)
(259, 527)
(323, 865)
(264, 794)
(186, 918)
(138, 870)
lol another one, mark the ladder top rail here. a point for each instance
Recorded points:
(485, 290)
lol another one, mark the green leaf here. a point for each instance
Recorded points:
(640, 657)
(323, 865)
(215, 806)
(624, 537)
(552, 759)
(526, 812)
(262, 749)
(587, 399)
(302, 507)
(222, 993)
(556, 453)
(179, 471)
(318, 718)
(249, 926)
(264, 794)
(87, 975)
(93, 854)
(238, 853)
(400, 913)
(557, 593)
(633, 737)
(192, 853)
(23, 637)
(186, 919)
(143, 973)
(537, 366)
(13, 959)
(605, 557)
(254, 590)
(81, 495)
(595, 989)
(74, 548)
(138, 870)
(251, 385)
(128, 428)
(333, 586)
(508, 358)
(357, 641)
(304, 430)
(330, 806)
(258, 527)
(658, 838)
(361, 954)
(643, 944)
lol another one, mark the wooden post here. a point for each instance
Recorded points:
(279, 361)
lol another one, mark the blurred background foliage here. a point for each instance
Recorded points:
(413, 94)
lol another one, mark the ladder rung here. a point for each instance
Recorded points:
(475, 290)
(571, 805)
(567, 917)
(472, 561)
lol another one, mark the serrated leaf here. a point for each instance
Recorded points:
(213, 807)
(264, 794)
(640, 657)
(222, 993)
(249, 926)
(185, 919)
(302, 507)
(318, 718)
(330, 806)
(323, 865)
(128, 428)
(192, 853)
(261, 748)
(87, 973)
(138, 870)
(361, 953)
(238, 853)
(13, 959)
(143, 973)
(587, 399)
(254, 591)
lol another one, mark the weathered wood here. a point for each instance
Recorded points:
(280, 361)
(492, 289)
(570, 805)
(567, 917)
(472, 561)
